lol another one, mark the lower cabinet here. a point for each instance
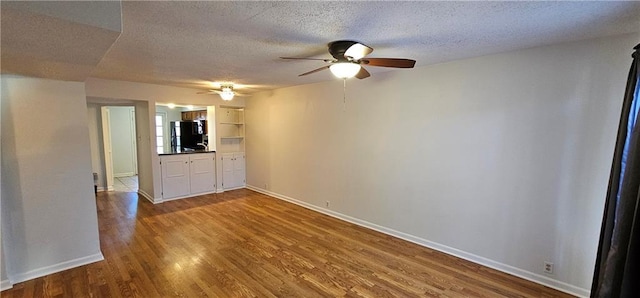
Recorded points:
(187, 174)
(233, 170)
(202, 173)
(175, 176)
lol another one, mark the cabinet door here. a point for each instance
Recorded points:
(239, 169)
(187, 116)
(233, 170)
(203, 173)
(228, 177)
(175, 176)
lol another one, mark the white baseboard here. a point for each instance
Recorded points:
(537, 278)
(184, 197)
(149, 198)
(29, 275)
(104, 188)
(5, 285)
(234, 188)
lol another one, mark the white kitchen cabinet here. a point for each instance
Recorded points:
(233, 170)
(175, 175)
(202, 170)
(185, 175)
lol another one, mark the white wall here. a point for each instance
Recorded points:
(123, 141)
(95, 140)
(49, 218)
(174, 114)
(501, 159)
(4, 278)
(149, 179)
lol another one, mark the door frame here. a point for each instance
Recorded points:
(134, 145)
(106, 141)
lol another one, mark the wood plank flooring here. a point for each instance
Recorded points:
(244, 244)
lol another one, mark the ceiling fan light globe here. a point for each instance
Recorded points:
(344, 70)
(227, 93)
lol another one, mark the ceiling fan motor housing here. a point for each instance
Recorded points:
(339, 47)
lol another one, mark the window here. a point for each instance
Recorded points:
(160, 135)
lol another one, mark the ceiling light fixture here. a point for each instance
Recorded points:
(227, 93)
(344, 70)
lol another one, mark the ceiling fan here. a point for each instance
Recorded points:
(348, 59)
(225, 91)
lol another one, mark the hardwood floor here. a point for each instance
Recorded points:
(244, 244)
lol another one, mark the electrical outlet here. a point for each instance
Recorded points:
(548, 268)
(327, 204)
(266, 186)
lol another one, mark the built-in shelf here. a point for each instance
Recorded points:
(231, 129)
(233, 137)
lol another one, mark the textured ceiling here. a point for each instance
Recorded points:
(188, 44)
(58, 40)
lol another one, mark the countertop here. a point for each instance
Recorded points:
(175, 151)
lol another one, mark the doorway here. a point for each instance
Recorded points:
(119, 133)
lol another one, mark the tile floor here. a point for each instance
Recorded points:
(128, 184)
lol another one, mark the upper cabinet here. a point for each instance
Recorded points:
(194, 115)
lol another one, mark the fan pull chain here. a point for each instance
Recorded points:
(344, 94)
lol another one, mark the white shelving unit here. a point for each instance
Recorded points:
(234, 137)
(230, 129)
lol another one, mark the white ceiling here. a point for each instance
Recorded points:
(188, 44)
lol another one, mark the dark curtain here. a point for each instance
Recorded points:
(617, 270)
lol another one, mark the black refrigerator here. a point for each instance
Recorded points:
(187, 134)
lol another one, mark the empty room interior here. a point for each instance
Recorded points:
(308, 149)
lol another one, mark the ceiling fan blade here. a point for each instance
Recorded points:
(240, 93)
(357, 51)
(217, 92)
(315, 70)
(390, 62)
(363, 73)
(207, 92)
(296, 58)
